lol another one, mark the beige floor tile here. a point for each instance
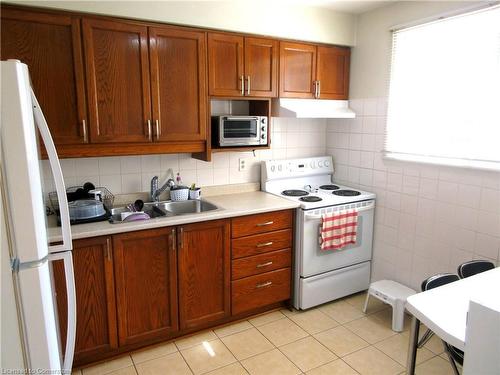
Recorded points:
(270, 363)
(232, 369)
(370, 329)
(307, 353)
(283, 331)
(266, 318)
(207, 356)
(341, 341)
(385, 316)
(371, 361)
(434, 366)
(190, 341)
(232, 328)
(396, 347)
(313, 321)
(171, 364)
(124, 371)
(337, 367)
(289, 312)
(153, 352)
(76, 371)
(341, 311)
(358, 301)
(247, 343)
(435, 344)
(109, 366)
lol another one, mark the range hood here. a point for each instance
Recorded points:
(311, 108)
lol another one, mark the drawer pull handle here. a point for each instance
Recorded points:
(263, 285)
(264, 264)
(266, 223)
(265, 244)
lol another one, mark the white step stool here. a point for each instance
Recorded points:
(394, 294)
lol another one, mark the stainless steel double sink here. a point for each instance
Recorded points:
(166, 209)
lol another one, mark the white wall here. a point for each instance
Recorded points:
(429, 219)
(274, 18)
(130, 174)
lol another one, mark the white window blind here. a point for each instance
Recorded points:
(444, 97)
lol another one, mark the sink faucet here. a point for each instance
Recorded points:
(156, 191)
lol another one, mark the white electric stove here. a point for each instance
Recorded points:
(322, 276)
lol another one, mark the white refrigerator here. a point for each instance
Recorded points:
(29, 328)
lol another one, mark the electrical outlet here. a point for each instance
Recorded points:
(242, 165)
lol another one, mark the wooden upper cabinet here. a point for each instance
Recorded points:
(261, 67)
(178, 76)
(333, 72)
(95, 298)
(50, 45)
(297, 70)
(204, 272)
(225, 65)
(146, 285)
(117, 67)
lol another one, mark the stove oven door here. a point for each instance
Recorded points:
(311, 260)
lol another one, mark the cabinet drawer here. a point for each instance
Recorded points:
(261, 223)
(260, 290)
(261, 243)
(257, 264)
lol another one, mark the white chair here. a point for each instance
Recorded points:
(394, 294)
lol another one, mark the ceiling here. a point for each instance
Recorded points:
(349, 6)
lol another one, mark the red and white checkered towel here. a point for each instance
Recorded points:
(338, 229)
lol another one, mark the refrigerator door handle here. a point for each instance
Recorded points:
(58, 177)
(67, 258)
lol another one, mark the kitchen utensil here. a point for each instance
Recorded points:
(139, 204)
(137, 216)
(86, 209)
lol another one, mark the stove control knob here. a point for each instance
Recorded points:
(313, 165)
(273, 168)
(280, 167)
(327, 163)
(320, 164)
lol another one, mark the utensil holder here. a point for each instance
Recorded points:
(179, 194)
(194, 194)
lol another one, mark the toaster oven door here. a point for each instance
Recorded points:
(238, 131)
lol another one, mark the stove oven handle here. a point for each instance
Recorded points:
(361, 209)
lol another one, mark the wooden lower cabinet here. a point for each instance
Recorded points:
(95, 298)
(137, 288)
(146, 284)
(204, 272)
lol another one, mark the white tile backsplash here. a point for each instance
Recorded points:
(428, 218)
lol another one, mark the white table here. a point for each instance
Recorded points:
(444, 309)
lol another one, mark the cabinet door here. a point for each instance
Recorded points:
(261, 67)
(333, 72)
(225, 65)
(146, 285)
(178, 79)
(297, 70)
(50, 45)
(95, 298)
(204, 272)
(117, 67)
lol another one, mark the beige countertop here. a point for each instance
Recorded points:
(230, 205)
